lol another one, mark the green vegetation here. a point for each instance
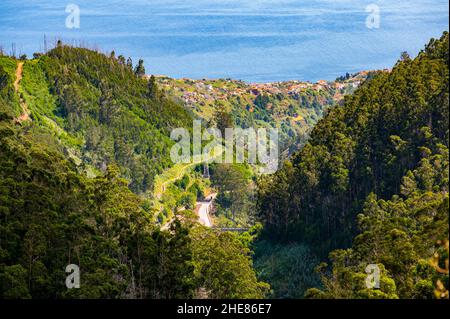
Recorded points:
(87, 179)
(235, 202)
(225, 266)
(293, 107)
(91, 111)
(7, 77)
(375, 168)
(100, 111)
(182, 194)
(288, 268)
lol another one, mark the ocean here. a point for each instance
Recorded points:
(254, 41)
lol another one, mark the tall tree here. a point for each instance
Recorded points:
(140, 69)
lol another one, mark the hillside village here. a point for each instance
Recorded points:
(293, 107)
(195, 93)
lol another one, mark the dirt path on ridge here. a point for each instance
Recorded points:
(25, 116)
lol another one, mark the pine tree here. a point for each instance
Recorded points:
(140, 69)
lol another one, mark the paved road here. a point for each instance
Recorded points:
(204, 210)
(203, 216)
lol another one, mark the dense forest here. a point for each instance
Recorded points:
(372, 177)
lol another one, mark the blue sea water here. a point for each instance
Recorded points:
(252, 40)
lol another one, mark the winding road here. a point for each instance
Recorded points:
(203, 210)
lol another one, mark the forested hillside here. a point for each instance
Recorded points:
(101, 111)
(375, 168)
(92, 122)
(294, 107)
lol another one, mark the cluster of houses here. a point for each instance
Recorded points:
(194, 92)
